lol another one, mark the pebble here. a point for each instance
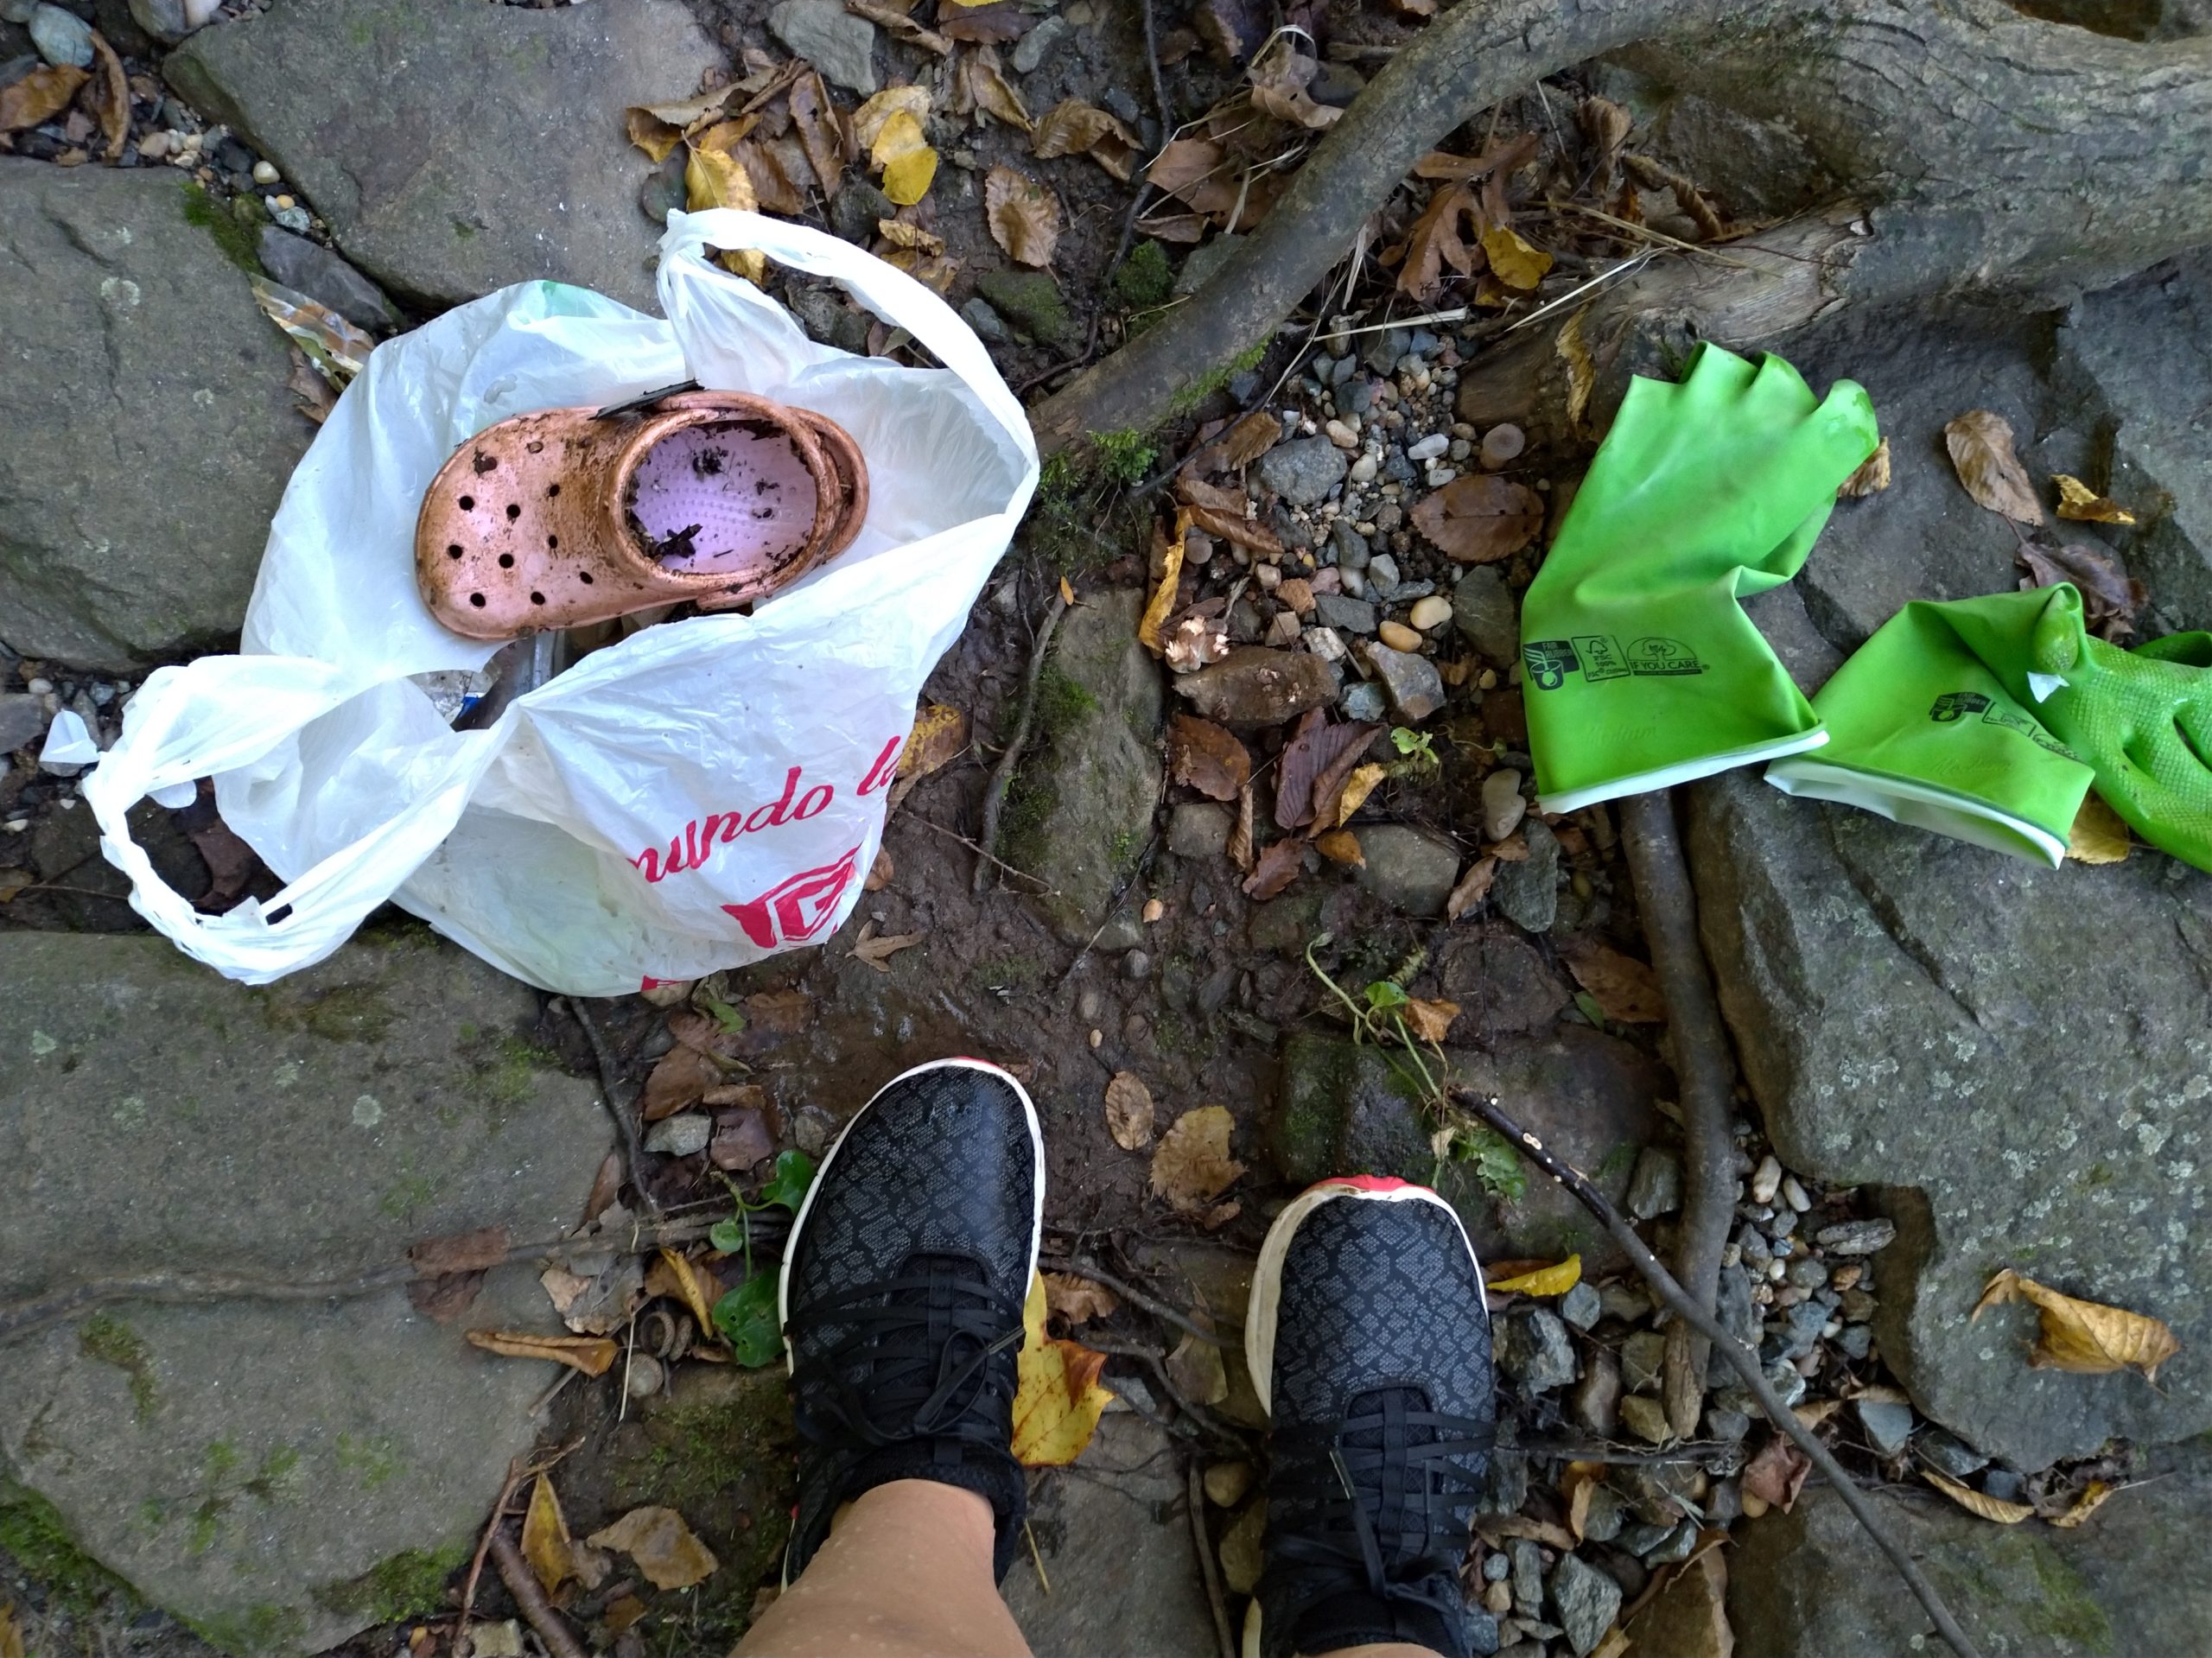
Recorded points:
(1727, 1425)
(1795, 1194)
(265, 173)
(1856, 1341)
(1460, 449)
(1856, 1238)
(2003, 1484)
(1440, 476)
(1268, 576)
(1038, 44)
(1415, 689)
(1428, 448)
(1363, 469)
(1503, 805)
(1326, 643)
(1284, 629)
(1807, 1273)
(1586, 1601)
(1580, 1306)
(1948, 1454)
(1136, 965)
(683, 1135)
(1528, 1579)
(1595, 1404)
(1399, 637)
(1383, 570)
(1655, 1188)
(1342, 435)
(1643, 1357)
(1888, 1425)
(1303, 470)
(1501, 444)
(1497, 1598)
(1766, 1180)
(1364, 700)
(839, 44)
(1603, 1519)
(1537, 1351)
(1430, 612)
(295, 218)
(1351, 615)
(62, 38)
(1646, 1418)
(643, 1377)
(1674, 1547)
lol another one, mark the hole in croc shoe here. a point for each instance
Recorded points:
(551, 490)
(453, 550)
(467, 503)
(735, 498)
(477, 599)
(552, 541)
(506, 561)
(538, 598)
(536, 445)
(584, 576)
(513, 512)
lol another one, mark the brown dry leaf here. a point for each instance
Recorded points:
(1078, 1300)
(1473, 887)
(1627, 990)
(1436, 241)
(462, 1252)
(1057, 1399)
(771, 166)
(1871, 478)
(1023, 215)
(443, 1300)
(1581, 371)
(1194, 171)
(1515, 263)
(545, 1537)
(1241, 444)
(1480, 519)
(1548, 1533)
(682, 1075)
(1430, 1020)
(1310, 765)
(877, 951)
(1341, 845)
(39, 96)
(979, 84)
(1280, 76)
(662, 1545)
(1240, 835)
(698, 1296)
(656, 129)
(2098, 836)
(990, 23)
(1777, 1473)
(2093, 1497)
(1278, 865)
(1163, 595)
(1576, 1485)
(2085, 1338)
(1072, 127)
(1192, 1166)
(895, 21)
(1206, 757)
(1506, 158)
(1195, 640)
(1981, 443)
(1196, 1368)
(2109, 597)
(821, 131)
(1129, 1111)
(940, 736)
(590, 1354)
(1973, 1501)
(113, 99)
(1360, 785)
(11, 1638)
(312, 395)
(2078, 501)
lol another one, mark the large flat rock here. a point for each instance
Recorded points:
(457, 147)
(146, 431)
(1810, 1584)
(2018, 1059)
(279, 1474)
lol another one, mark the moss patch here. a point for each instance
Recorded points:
(1031, 301)
(1146, 278)
(110, 1341)
(344, 1012)
(1215, 378)
(34, 1536)
(400, 1585)
(264, 1627)
(240, 242)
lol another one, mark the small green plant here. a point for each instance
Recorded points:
(1124, 456)
(746, 1315)
(1418, 749)
(728, 1017)
(1146, 278)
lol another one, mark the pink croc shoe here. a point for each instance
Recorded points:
(571, 515)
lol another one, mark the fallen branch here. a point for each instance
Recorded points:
(1669, 905)
(1738, 1357)
(621, 1099)
(516, 1475)
(530, 1598)
(1145, 1299)
(37, 1312)
(1195, 1499)
(1002, 773)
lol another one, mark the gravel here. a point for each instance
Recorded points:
(1856, 1238)
(1303, 471)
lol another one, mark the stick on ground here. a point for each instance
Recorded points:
(1739, 1358)
(514, 1572)
(1002, 773)
(1669, 905)
(1195, 1499)
(621, 1099)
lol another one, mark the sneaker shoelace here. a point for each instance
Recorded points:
(1388, 1490)
(915, 1360)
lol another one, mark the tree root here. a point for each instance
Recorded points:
(1209, 1572)
(621, 1099)
(1669, 905)
(1739, 1358)
(530, 1598)
(1002, 773)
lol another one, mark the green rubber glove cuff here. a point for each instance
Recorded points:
(1640, 669)
(1924, 729)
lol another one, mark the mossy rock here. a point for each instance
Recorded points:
(1031, 301)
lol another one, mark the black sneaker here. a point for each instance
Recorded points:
(901, 1296)
(1369, 1341)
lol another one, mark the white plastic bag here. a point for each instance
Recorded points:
(701, 795)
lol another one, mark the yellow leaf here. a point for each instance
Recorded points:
(1129, 1111)
(545, 1536)
(870, 119)
(1058, 1398)
(2092, 1498)
(1473, 887)
(690, 1292)
(1517, 264)
(11, 1638)
(1545, 1280)
(1360, 785)
(2078, 501)
(1163, 596)
(2098, 836)
(662, 1545)
(1341, 845)
(1871, 478)
(2004, 1513)
(714, 177)
(1581, 371)
(906, 180)
(1980, 442)
(2086, 1337)
(940, 733)
(1067, 593)
(1192, 1165)
(592, 1354)
(1428, 1020)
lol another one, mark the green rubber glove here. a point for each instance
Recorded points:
(1922, 729)
(1639, 667)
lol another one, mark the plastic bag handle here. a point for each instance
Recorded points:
(888, 291)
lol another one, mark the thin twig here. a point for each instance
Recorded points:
(1079, 1267)
(515, 1477)
(1669, 905)
(37, 1312)
(620, 1096)
(977, 847)
(530, 1598)
(1738, 1357)
(1002, 773)
(1195, 1498)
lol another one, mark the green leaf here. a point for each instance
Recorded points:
(728, 1017)
(1591, 1010)
(747, 1316)
(1383, 994)
(794, 1174)
(1498, 1167)
(728, 1235)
